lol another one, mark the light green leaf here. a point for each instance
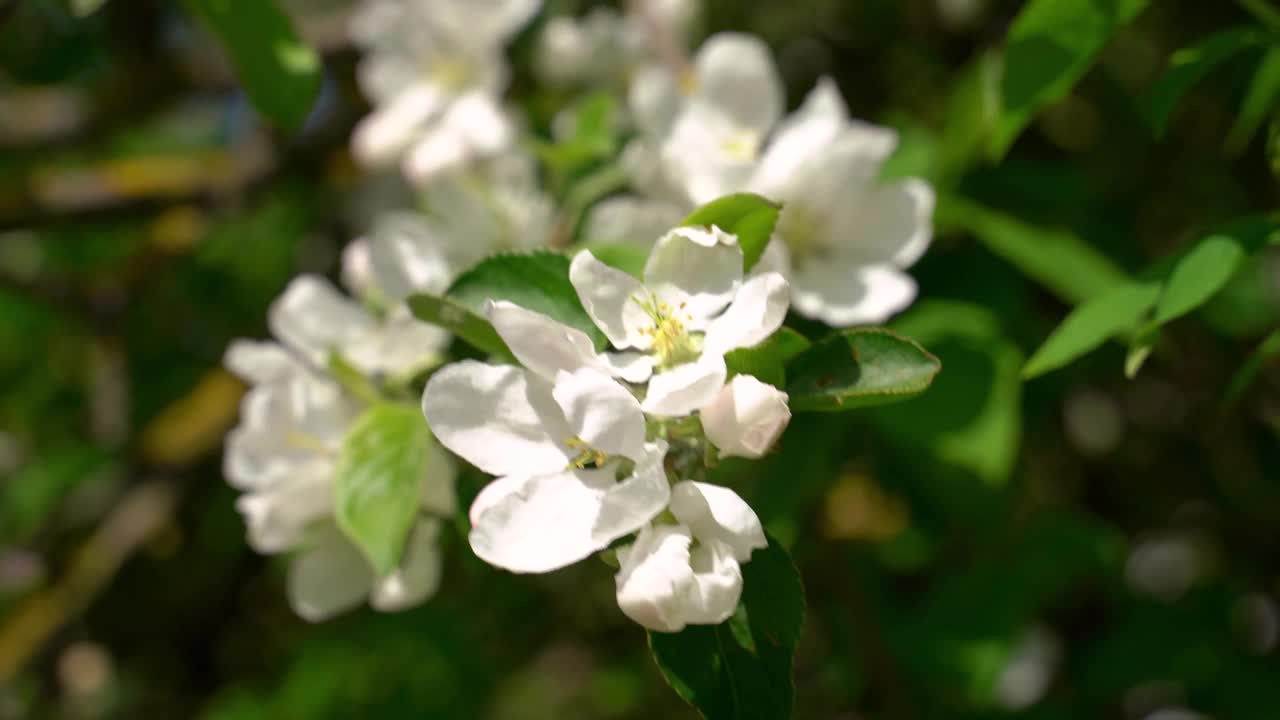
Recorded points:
(1264, 91)
(1050, 46)
(750, 217)
(474, 329)
(767, 361)
(280, 74)
(973, 111)
(626, 257)
(381, 467)
(537, 281)
(1088, 326)
(857, 368)
(1189, 65)
(1197, 276)
(742, 668)
(1059, 260)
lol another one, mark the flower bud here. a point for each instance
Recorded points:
(746, 417)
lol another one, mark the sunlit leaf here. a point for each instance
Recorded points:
(1088, 326)
(857, 368)
(750, 217)
(1197, 276)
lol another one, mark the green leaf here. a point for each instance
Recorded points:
(280, 74)
(857, 368)
(1088, 326)
(741, 669)
(767, 361)
(1264, 90)
(748, 216)
(1197, 276)
(972, 114)
(626, 257)
(474, 329)
(1050, 46)
(1267, 350)
(537, 281)
(384, 459)
(1059, 260)
(971, 416)
(1189, 65)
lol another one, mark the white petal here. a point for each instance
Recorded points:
(664, 587)
(407, 256)
(892, 224)
(736, 74)
(328, 578)
(803, 138)
(439, 494)
(631, 220)
(685, 388)
(541, 344)
(386, 133)
(715, 513)
(601, 413)
(418, 576)
(500, 418)
(842, 294)
(756, 312)
(259, 362)
(400, 348)
(315, 319)
(442, 148)
(277, 517)
(357, 269)
(746, 417)
(606, 293)
(681, 269)
(653, 99)
(541, 523)
(479, 120)
(632, 367)
(707, 155)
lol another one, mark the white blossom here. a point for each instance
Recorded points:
(746, 417)
(434, 70)
(574, 471)
(843, 238)
(283, 455)
(689, 572)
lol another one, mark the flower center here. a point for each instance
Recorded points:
(587, 457)
(673, 344)
(801, 228)
(742, 145)
(448, 72)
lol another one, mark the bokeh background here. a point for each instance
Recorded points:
(1080, 545)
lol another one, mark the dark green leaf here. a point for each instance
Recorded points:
(1050, 46)
(384, 460)
(767, 361)
(537, 281)
(474, 329)
(280, 74)
(741, 669)
(857, 368)
(1189, 65)
(1264, 90)
(748, 216)
(1057, 259)
(1088, 326)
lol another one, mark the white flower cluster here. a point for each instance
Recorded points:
(435, 72)
(586, 445)
(283, 454)
(844, 238)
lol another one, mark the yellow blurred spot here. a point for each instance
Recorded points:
(195, 424)
(856, 508)
(177, 229)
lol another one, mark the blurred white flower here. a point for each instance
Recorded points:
(594, 49)
(843, 238)
(283, 455)
(689, 572)
(434, 71)
(746, 417)
(574, 471)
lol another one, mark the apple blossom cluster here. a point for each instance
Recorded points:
(591, 447)
(293, 419)
(593, 451)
